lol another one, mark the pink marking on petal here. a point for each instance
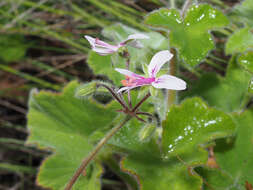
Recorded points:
(169, 82)
(102, 44)
(157, 61)
(134, 82)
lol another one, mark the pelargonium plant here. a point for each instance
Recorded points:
(150, 123)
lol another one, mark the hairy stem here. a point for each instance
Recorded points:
(139, 104)
(172, 95)
(94, 152)
(113, 94)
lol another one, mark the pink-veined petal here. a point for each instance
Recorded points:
(101, 44)
(137, 36)
(91, 40)
(128, 73)
(157, 61)
(169, 82)
(134, 37)
(103, 51)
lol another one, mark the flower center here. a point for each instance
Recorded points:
(130, 81)
(133, 81)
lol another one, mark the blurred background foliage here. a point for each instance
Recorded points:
(42, 46)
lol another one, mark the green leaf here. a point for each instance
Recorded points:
(240, 41)
(190, 35)
(246, 60)
(215, 179)
(227, 93)
(12, 47)
(197, 124)
(243, 12)
(234, 157)
(193, 123)
(63, 124)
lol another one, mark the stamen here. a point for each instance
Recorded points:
(130, 81)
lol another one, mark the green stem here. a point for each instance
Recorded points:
(172, 95)
(94, 152)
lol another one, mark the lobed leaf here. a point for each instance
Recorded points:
(191, 31)
(63, 123)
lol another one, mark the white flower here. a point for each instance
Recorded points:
(165, 81)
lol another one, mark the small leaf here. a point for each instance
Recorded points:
(190, 35)
(240, 41)
(246, 60)
(63, 124)
(227, 93)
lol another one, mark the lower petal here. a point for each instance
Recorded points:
(103, 51)
(169, 82)
(124, 88)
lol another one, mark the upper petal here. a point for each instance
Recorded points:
(128, 73)
(137, 36)
(169, 82)
(158, 61)
(134, 37)
(91, 40)
(96, 43)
